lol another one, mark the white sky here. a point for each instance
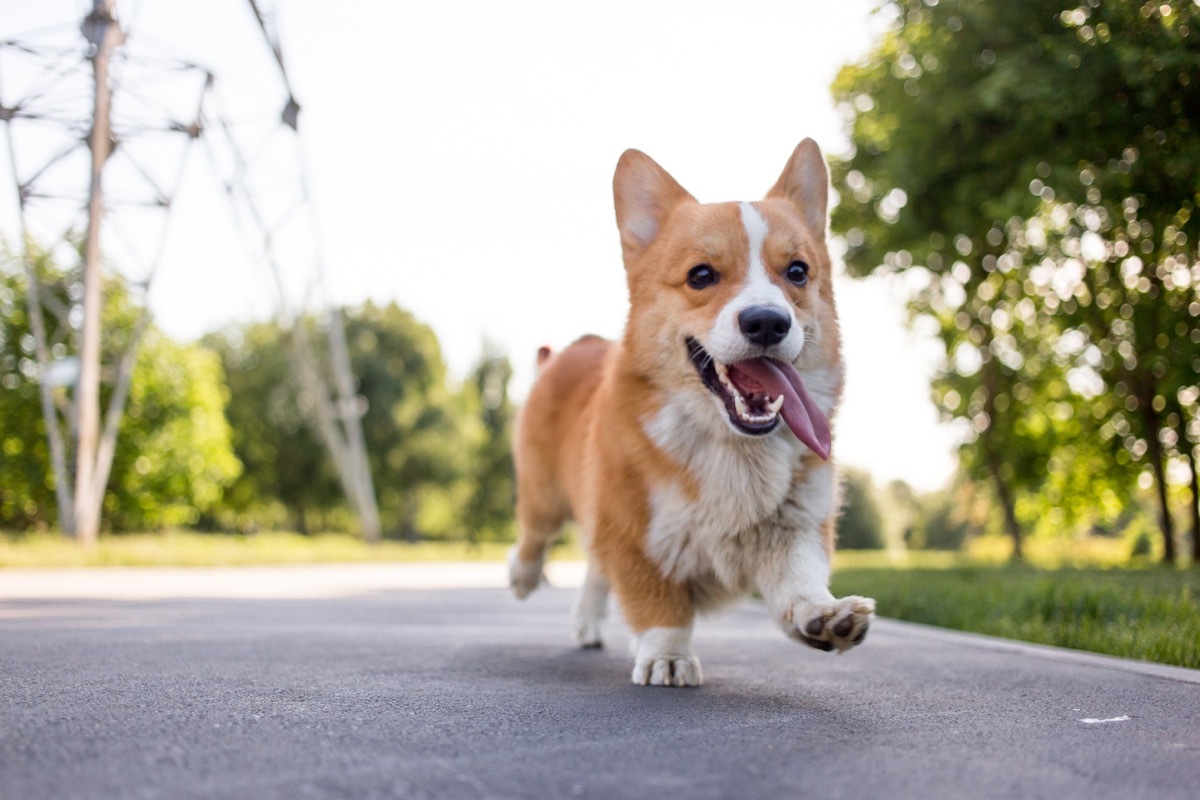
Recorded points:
(462, 156)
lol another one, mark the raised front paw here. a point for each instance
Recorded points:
(523, 577)
(833, 625)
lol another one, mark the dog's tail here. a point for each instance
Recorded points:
(544, 355)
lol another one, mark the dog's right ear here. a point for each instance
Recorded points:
(645, 195)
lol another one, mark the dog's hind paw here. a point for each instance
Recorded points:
(523, 577)
(586, 630)
(835, 625)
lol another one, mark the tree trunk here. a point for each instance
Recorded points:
(1008, 507)
(301, 520)
(995, 463)
(1188, 449)
(1152, 423)
(1165, 523)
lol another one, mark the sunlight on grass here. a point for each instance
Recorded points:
(1078, 600)
(995, 551)
(184, 549)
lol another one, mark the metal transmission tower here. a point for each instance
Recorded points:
(340, 424)
(57, 103)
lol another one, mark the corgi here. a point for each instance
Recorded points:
(694, 453)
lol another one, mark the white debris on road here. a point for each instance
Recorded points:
(1090, 721)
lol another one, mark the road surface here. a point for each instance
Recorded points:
(425, 681)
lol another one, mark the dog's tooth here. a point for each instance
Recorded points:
(723, 376)
(740, 405)
(774, 406)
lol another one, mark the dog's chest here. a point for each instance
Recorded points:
(741, 485)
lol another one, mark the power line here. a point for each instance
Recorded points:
(54, 97)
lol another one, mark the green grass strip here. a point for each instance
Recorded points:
(1150, 614)
(186, 549)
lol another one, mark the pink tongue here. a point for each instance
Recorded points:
(799, 410)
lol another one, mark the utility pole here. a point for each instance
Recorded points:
(101, 29)
(363, 494)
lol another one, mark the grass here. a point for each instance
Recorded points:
(185, 549)
(1147, 613)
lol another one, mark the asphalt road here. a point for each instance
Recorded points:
(340, 682)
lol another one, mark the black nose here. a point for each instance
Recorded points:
(764, 325)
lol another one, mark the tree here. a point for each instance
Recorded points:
(945, 520)
(860, 526)
(1034, 165)
(285, 462)
(174, 457)
(489, 509)
(412, 423)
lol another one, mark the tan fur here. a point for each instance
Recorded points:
(582, 448)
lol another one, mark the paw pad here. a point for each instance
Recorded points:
(835, 625)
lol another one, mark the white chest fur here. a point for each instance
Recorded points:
(743, 484)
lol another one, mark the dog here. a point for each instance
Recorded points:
(666, 447)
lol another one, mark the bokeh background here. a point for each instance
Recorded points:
(429, 187)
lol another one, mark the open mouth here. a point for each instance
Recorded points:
(757, 392)
(750, 406)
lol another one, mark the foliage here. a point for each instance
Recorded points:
(488, 514)
(944, 520)
(860, 525)
(1033, 169)
(173, 456)
(26, 481)
(412, 422)
(285, 462)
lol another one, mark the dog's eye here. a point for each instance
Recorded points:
(797, 272)
(701, 276)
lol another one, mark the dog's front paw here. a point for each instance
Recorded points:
(523, 577)
(834, 625)
(668, 670)
(663, 657)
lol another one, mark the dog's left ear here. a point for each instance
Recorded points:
(805, 181)
(644, 195)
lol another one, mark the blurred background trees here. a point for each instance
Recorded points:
(174, 457)
(860, 526)
(488, 514)
(219, 434)
(1028, 171)
(1032, 170)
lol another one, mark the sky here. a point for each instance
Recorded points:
(460, 160)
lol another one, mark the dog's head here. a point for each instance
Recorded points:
(732, 301)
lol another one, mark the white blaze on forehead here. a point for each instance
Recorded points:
(758, 289)
(726, 342)
(756, 232)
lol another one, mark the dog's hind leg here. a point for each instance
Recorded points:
(590, 609)
(539, 527)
